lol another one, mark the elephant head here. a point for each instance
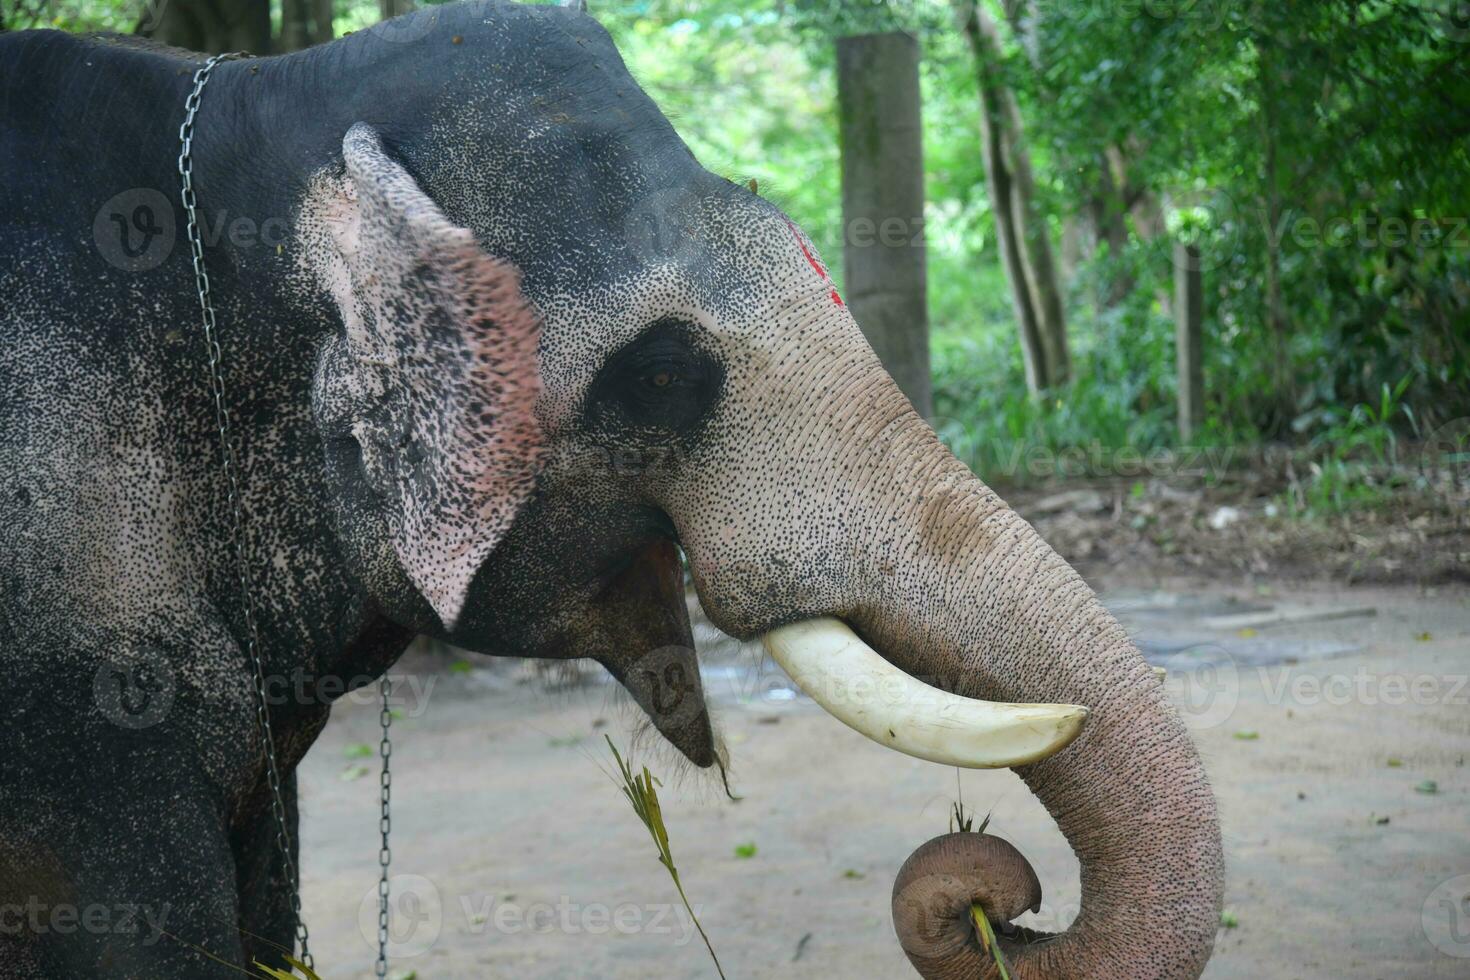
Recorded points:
(704, 390)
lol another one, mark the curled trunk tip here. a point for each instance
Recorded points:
(936, 888)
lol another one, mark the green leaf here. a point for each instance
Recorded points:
(358, 750)
(1246, 735)
(1228, 919)
(1429, 787)
(745, 850)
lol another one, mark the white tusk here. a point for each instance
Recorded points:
(866, 693)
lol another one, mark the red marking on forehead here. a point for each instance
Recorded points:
(813, 261)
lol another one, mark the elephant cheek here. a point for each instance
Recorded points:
(641, 634)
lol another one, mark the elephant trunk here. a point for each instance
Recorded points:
(971, 599)
(882, 528)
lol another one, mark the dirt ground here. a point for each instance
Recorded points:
(1239, 524)
(1333, 722)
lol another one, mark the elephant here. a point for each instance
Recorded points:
(501, 361)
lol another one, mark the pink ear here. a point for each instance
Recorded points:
(443, 348)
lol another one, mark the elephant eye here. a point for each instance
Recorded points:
(665, 379)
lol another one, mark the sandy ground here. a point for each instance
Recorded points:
(519, 857)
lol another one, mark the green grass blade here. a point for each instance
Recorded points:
(275, 973)
(641, 794)
(306, 971)
(987, 940)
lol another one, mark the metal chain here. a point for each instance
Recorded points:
(230, 466)
(231, 469)
(385, 824)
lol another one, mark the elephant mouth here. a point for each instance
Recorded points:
(637, 626)
(864, 691)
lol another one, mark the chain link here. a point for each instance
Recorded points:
(385, 824)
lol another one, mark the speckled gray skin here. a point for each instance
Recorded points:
(700, 384)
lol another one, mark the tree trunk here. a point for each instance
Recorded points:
(1076, 243)
(296, 30)
(304, 23)
(213, 26)
(1040, 265)
(1024, 239)
(1108, 208)
(322, 20)
(1026, 25)
(883, 204)
(1276, 318)
(392, 8)
(1188, 336)
(998, 186)
(1144, 206)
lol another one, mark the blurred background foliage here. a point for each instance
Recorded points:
(1317, 153)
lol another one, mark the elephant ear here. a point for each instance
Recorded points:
(437, 375)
